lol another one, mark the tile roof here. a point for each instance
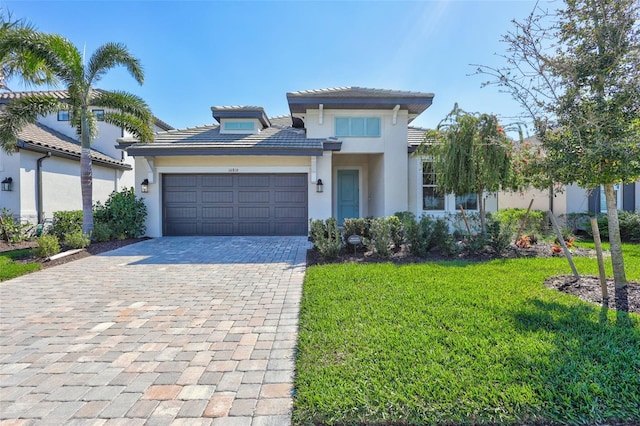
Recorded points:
(207, 140)
(38, 137)
(415, 135)
(61, 95)
(355, 91)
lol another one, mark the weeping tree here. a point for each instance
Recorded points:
(470, 154)
(576, 73)
(65, 62)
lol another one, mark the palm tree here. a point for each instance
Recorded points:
(65, 62)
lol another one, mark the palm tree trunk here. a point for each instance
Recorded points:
(617, 259)
(86, 177)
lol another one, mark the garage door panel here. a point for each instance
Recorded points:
(296, 197)
(253, 197)
(181, 197)
(217, 196)
(235, 204)
(217, 213)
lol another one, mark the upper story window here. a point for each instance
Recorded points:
(99, 113)
(64, 116)
(239, 125)
(431, 198)
(368, 127)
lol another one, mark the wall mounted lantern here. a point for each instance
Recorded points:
(7, 183)
(144, 186)
(319, 185)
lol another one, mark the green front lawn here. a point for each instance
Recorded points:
(453, 342)
(11, 269)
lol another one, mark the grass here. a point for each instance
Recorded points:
(461, 343)
(11, 269)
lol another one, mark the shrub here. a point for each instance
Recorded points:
(360, 226)
(536, 222)
(499, 236)
(123, 213)
(381, 236)
(476, 243)
(427, 234)
(11, 230)
(66, 222)
(326, 238)
(629, 226)
(48, 245)
(406, 218)
(396, 228)
(101, 232)
(76, 240)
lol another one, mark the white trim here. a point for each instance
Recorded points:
(321, 113)
(394, 119)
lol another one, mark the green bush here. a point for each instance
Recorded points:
(381, 236)
(101, 232)
(499, 235)
(11, 230)
(406, 218)
(476, 243)
(48, 245)
(326, 237)
(123, 213)
(629, 226)
(396, 228)
(358, 226)
(66, 222)
(76, 240)
(427, 234)
(536, 222)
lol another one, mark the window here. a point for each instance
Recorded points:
(238, 125)
(358, 127)
(64, 116)
(603, 198)
(431, 199)
(469, 201)
(99, 113)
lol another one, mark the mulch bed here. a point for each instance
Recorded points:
(587, 288)
(92, 249)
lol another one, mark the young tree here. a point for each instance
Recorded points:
(63, 60)
(471, 155)
(576, 72)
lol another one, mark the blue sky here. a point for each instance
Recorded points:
(197, 54)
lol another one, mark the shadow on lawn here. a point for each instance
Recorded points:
(589, 374)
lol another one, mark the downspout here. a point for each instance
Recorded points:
(39, 201)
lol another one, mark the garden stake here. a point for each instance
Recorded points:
(466, 222)
(524, 222)
(567, 253)
(603, 276)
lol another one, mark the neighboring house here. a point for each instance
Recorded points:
(45, 167)
(343, 152)
(572, 198)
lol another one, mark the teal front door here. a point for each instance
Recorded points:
(348, 195)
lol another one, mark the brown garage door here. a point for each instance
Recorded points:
(234, 204)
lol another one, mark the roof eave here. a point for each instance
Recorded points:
(55, 152)
(158, 151)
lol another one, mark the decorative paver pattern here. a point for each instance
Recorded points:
(174, 330)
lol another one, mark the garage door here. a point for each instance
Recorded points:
(234, 204)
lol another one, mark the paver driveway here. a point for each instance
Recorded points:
(197, 330)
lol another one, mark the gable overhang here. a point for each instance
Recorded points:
(415, 105)
(56, 152)
(220, 113)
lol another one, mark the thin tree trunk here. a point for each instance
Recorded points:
(483, 214)
(617, 259)
(86, 177)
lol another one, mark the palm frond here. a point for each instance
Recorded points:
(124, 102)
(110, 55)
(141, 129)
(20, 113)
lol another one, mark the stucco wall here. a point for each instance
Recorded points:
(10, 167)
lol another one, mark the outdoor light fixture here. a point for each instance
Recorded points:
(7, 183)
(319, 185)
(144, 186)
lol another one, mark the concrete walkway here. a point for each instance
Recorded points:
(182, 330)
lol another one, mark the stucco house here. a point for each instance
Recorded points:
(43, 173)
(343, 152)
